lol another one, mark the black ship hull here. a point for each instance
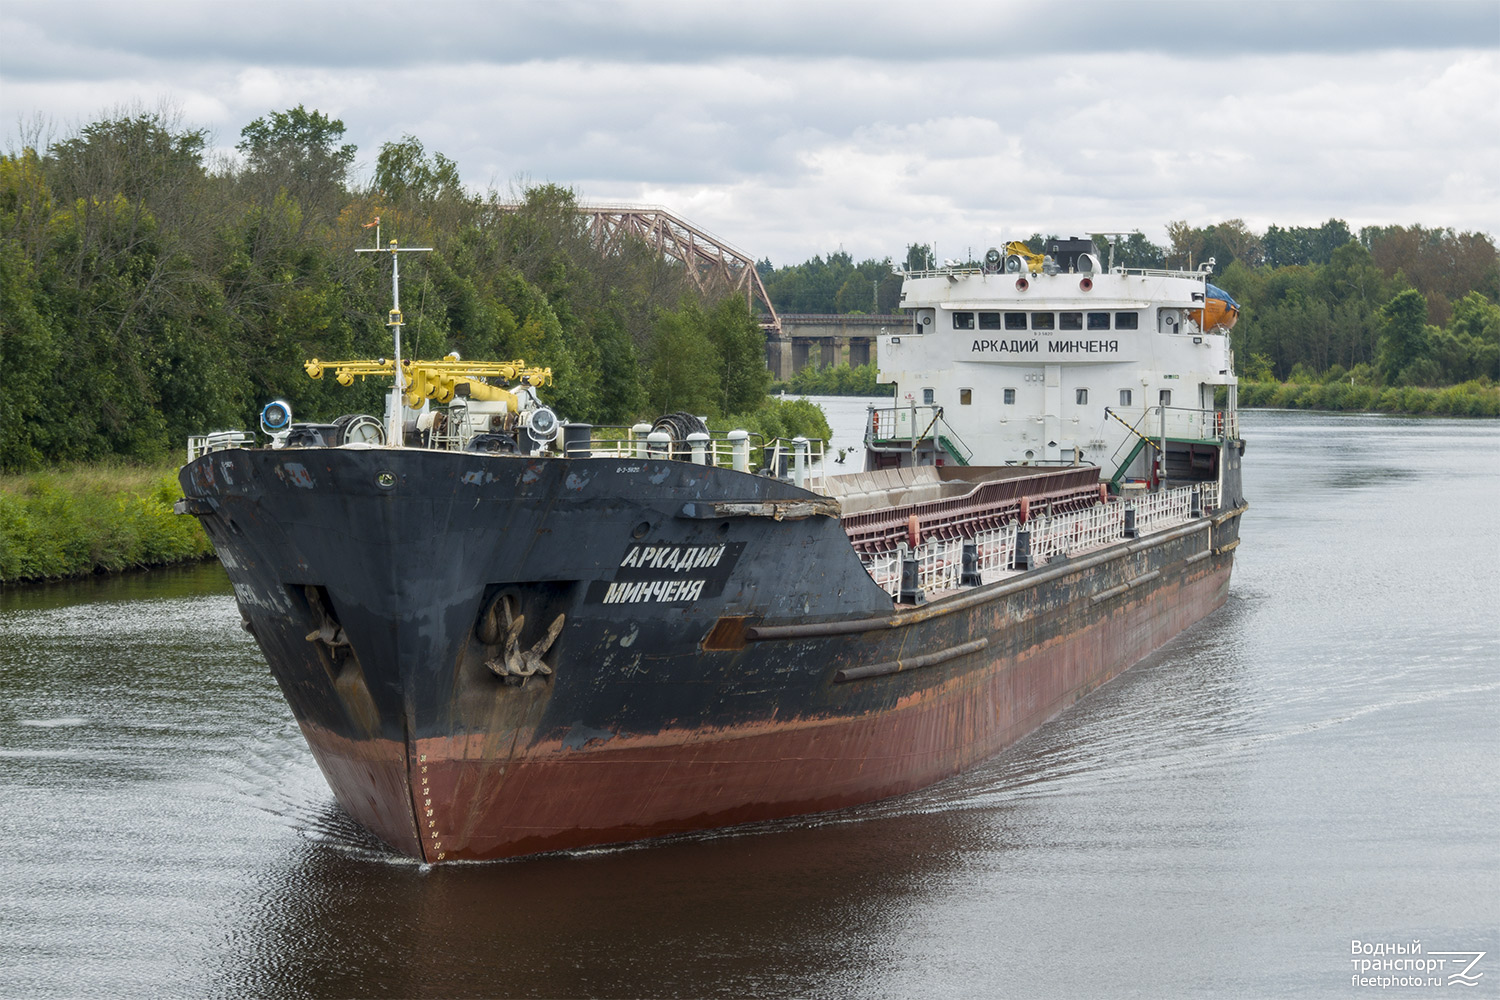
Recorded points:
(493, 655)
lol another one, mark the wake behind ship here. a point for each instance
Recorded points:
(512, 635)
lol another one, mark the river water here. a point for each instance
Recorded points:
(1317, 763)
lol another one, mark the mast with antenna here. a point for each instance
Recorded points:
(394, 431)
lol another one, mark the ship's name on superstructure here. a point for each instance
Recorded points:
(667, 573)
(984, 346)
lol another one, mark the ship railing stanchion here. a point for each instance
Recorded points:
(1161, 479)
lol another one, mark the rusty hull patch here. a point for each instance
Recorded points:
(295, 474)
(728, 634)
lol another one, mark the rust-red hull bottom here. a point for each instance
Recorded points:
(462, 797)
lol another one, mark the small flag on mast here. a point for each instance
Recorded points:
(367, 225)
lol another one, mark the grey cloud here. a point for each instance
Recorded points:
(789, 149)
(106, 38)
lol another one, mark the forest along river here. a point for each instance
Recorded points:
(1315, 764)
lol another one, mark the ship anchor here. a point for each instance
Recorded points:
(516, 665)
(329, 632)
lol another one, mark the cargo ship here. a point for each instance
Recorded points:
(502, 633)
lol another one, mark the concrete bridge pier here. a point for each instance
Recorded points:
(820, 340)
(779, 357)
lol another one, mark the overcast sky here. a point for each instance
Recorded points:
(794, 129)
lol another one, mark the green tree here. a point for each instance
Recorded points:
(1441, 263)
(1305, 244)
(1476, 327)
(684, 365)
(1231, 242)
(1187, 244)
(403, 170)
(299, 151)
(1133, 251)
(741, 347)
(29, 359)
(145, 157)
(1403, 337)
(1258, 368)
(855, 295)
(835, 285)
(622, 395)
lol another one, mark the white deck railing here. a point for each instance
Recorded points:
(940, 560)
(202, 444)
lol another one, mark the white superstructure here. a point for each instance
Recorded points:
(1066, 364)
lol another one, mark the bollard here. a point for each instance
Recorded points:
(659, 444)
(739, 450)
(911, 593)
(638, 434)
(969, 562)
(1023, 549)
(799, 460)
(578, 440)
(698, 445)
(1130, 531)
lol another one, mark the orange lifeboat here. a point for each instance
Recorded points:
(1221, 309)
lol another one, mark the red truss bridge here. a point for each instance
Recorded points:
(714, 265)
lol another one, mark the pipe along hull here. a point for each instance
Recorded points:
(493, 656)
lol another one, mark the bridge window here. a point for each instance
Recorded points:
(1081, 397)
(1124, 397)
(966, 396)
(963, 321)
(1070, 321)
(989, 321)
(927, 397)
(1166, 397)
(1127, 321)
(1010, 397)
(1015, 321)
(1098, 321)
(1042, 321)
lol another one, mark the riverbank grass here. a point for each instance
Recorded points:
(1478, 398)
(93, 519)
